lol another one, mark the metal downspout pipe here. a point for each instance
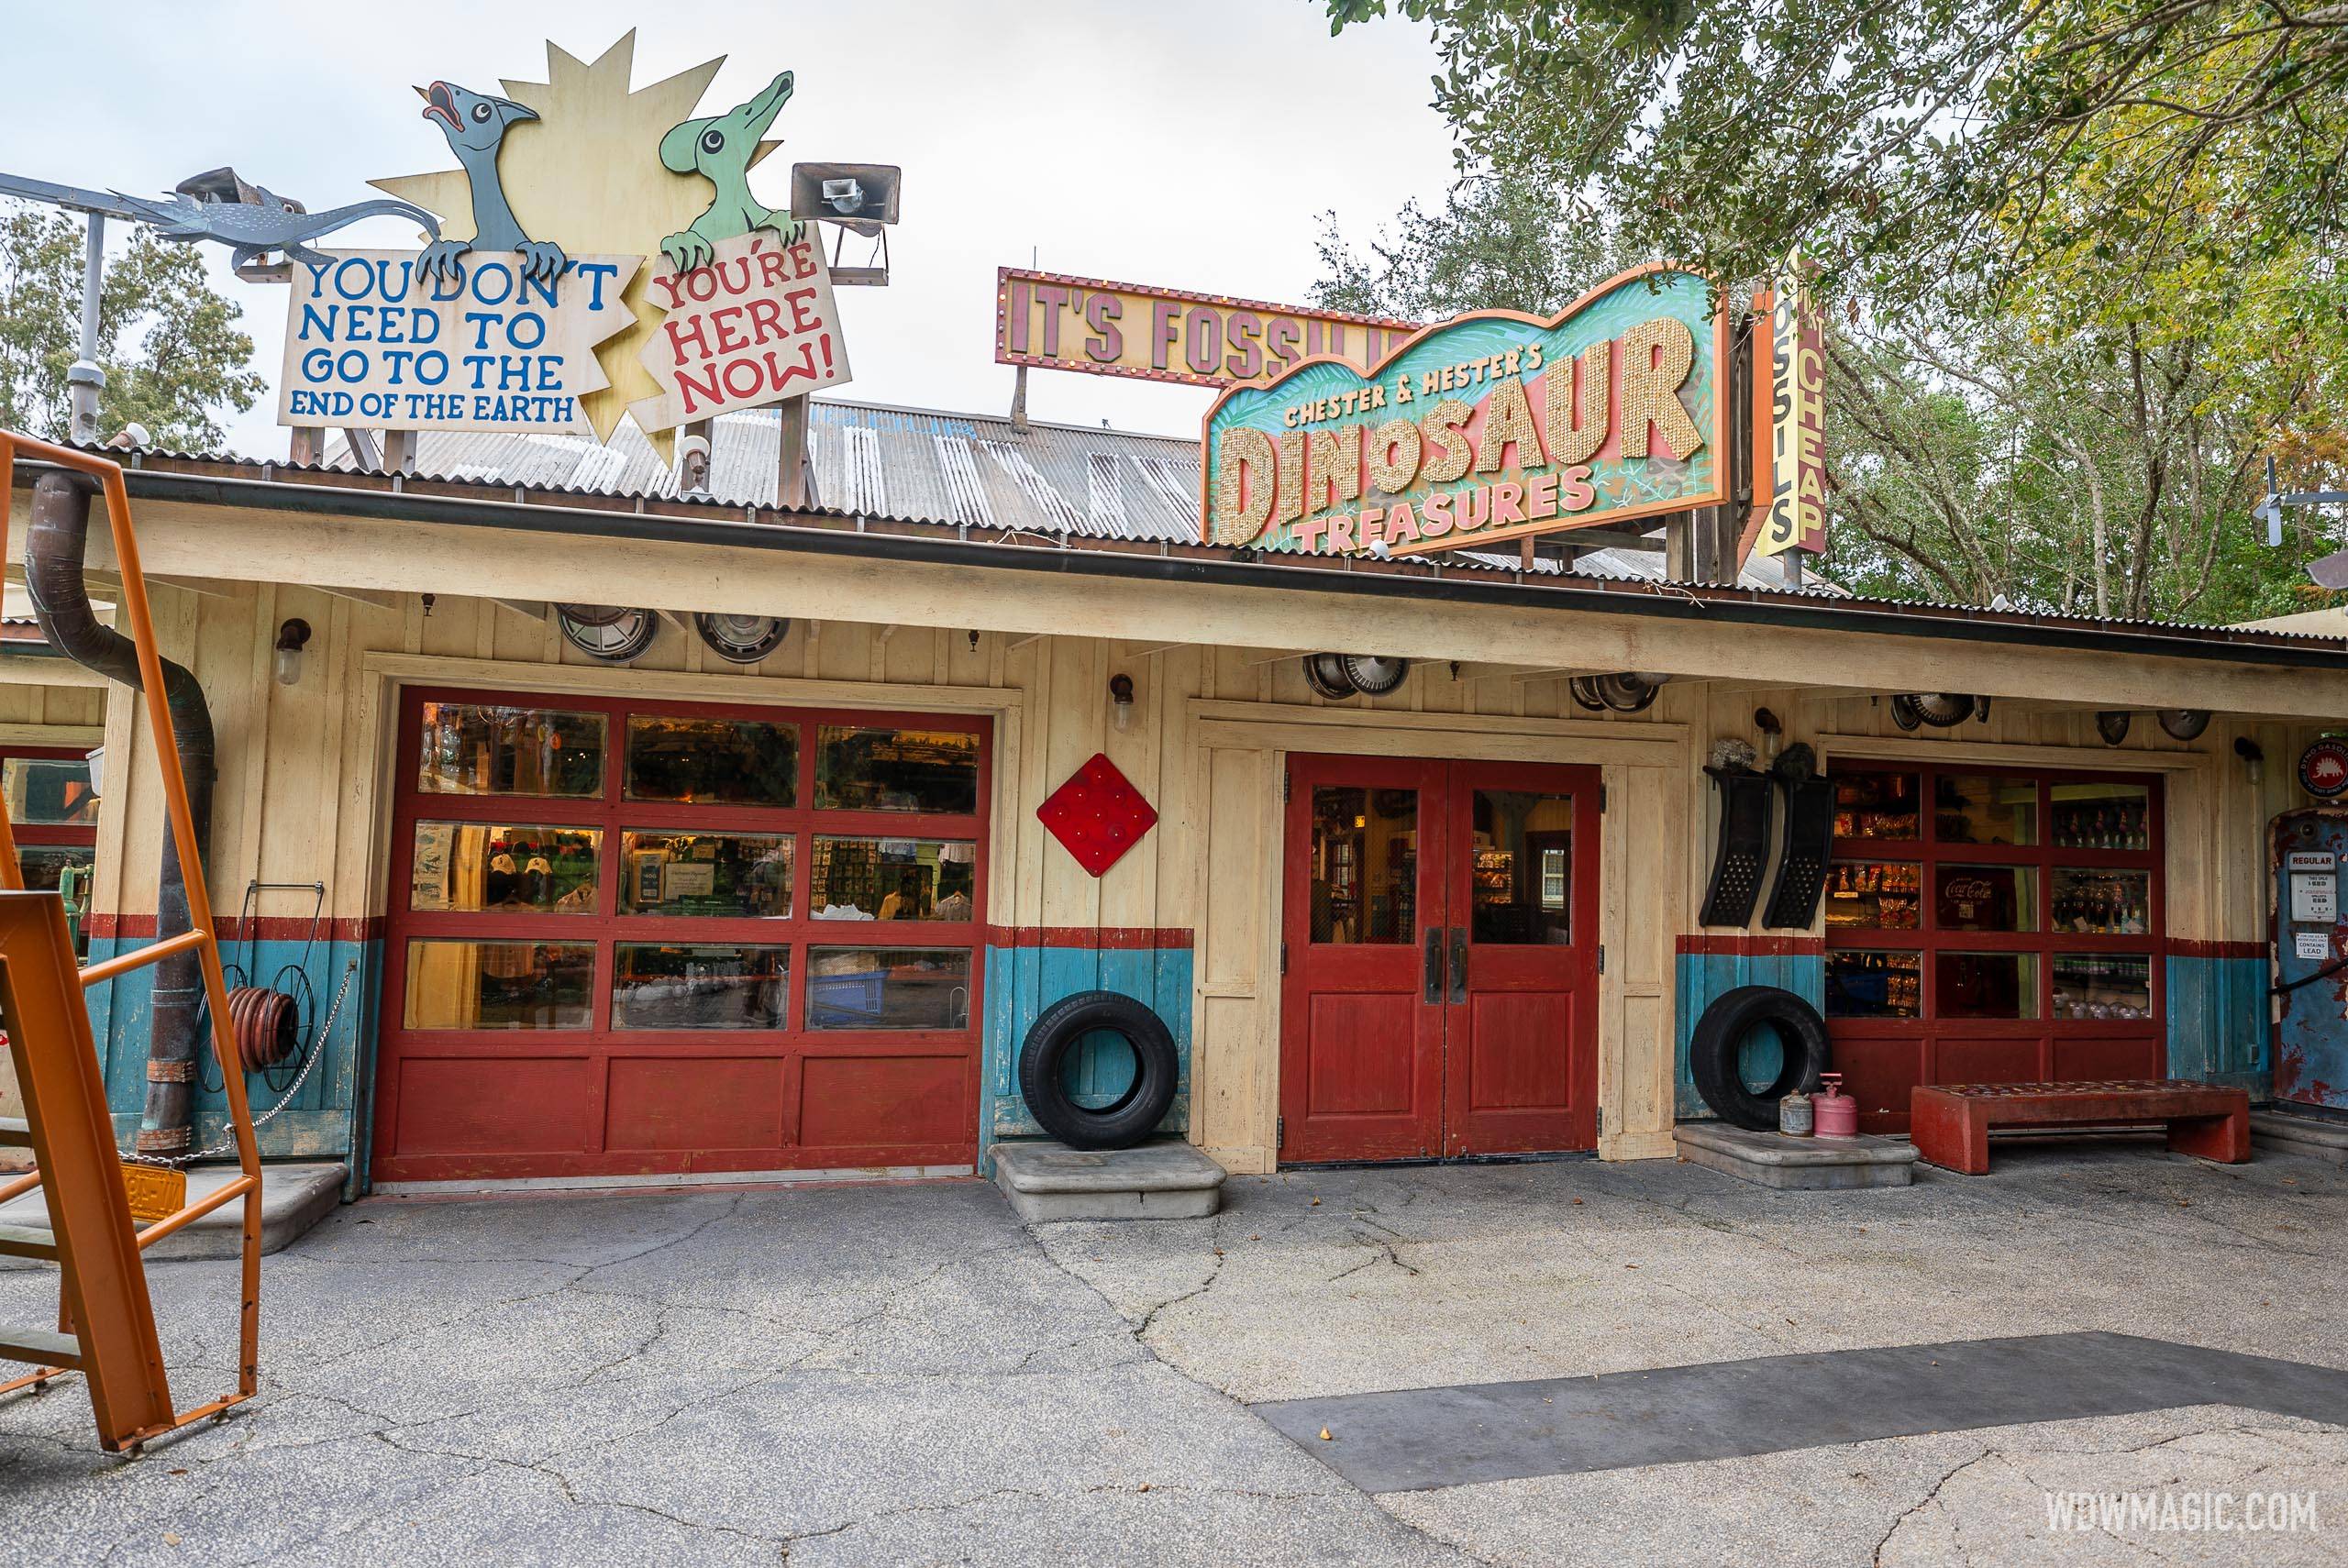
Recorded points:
(55, 552)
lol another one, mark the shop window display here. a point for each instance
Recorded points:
(698, 986)
(888, 988)
(2025, 900)
(1365, 864)
(871, 769)
(478, 867)
(891, 878)
(730, 761)
(499, 985)
(735, 876)
(474, 749)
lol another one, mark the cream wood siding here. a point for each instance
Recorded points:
(303, 769)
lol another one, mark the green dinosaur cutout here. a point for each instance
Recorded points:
(719, 149)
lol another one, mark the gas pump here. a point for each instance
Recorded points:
(2309, 847)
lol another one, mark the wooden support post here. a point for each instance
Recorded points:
(399, 451)
(791, 458)
(308, 447)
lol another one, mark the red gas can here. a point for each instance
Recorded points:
(1834, 1113)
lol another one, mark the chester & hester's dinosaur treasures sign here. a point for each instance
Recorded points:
(1492, 427)
(600, 250)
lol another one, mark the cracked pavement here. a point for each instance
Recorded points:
(902, 1375)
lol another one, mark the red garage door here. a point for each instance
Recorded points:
(1986, 926)
(634, 938)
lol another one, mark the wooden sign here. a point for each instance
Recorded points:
(553, 176)
(755, 326)
(372, 338)
(1165, 335)
(1494, 426)
(1789, 442)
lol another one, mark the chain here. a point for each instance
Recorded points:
(317, 1049)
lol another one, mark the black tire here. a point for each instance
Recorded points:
(1136, 1112)
(1712, 1052)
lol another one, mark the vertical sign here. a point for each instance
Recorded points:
(1791, 439)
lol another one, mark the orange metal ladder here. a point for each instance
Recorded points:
(105, 1315)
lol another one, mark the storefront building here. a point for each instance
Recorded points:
(680, 918)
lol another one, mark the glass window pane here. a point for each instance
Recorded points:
(693, 985)
(741, 876)
(891, 878)
(44, 864)
(1984, 898)
(1365, 864)
(1875, 803)
(2102, 816)
(1986, 985)
(499, 985)
(49, 790)
(469, 749)
(2116, 985)
(897, 770)
(478, 865)
(2102, 902)
(1523, 867)
(1985, 810)
(1873, 985)
(1875, 895)
(734, 761)
(888, 988)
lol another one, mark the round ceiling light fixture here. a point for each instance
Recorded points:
(606, 632)
(742, 639)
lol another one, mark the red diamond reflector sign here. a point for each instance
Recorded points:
(1097, 815)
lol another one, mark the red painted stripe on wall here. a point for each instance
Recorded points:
(1744, 944)
(2182, 948)
(1114, 937)
(369, 928)
(238, 928)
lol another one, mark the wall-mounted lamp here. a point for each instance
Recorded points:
(2253, 759)
(1773, 731)
(1121, 701)
(291, 639)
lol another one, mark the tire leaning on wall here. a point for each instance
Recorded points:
(1042, 1057)
(1712, 1052)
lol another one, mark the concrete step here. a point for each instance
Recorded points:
(2295, 1132)
(1163, 1179)
(1772, 1159)
(293, 1198)
(15, 1132)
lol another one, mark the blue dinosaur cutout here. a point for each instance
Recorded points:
(475, 125)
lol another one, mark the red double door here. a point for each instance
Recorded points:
(1440, 960)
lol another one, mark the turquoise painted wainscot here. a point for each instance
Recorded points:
(1028, 968)
(322, 1121)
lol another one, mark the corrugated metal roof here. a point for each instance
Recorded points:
(924, 466)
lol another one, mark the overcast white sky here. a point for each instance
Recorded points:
(1189, 144)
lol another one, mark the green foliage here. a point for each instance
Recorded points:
(1922, 148)
(1500, 243)
(169, 344)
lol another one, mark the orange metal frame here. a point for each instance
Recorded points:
(104, 1300)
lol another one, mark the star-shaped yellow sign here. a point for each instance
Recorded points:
(587, 175)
